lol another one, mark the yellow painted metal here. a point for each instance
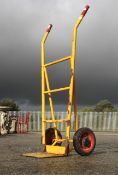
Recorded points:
(75, 108)
(57, 90)
(50, 101)
(72, 62)
(60, 140)
(71, 140)
(43, 85)
(56, 149)
(72, 89)
(52, 121)
(72, 94)
(58, 61)
(42, 155)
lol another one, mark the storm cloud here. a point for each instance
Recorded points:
(22, 26)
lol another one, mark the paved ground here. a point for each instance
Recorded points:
(103, 161)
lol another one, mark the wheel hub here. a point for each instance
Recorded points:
(86, 142)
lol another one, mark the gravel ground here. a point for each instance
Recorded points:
(103, 161)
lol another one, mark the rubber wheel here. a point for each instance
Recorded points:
(50, 136)
(84, 141)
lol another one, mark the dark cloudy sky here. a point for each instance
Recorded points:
(22, 26)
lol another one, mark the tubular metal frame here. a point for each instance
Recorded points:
(71, 88)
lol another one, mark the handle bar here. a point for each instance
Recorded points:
(83, 14)
(49, 28)
(85, 10)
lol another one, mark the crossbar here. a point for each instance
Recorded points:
(53, 121)
(58, 90)
(59, 140)
(57, 61)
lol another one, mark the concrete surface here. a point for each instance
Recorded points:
(103, 161)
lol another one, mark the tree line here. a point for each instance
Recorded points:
(102, 106)
(9, 103)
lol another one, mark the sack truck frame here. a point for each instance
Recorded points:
(84, 140)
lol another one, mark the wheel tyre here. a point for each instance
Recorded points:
(84, 141)
(50, 136)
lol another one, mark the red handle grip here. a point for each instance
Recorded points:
(85, 10)
(49, 28)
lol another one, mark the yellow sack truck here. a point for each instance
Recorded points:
(84, 139)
